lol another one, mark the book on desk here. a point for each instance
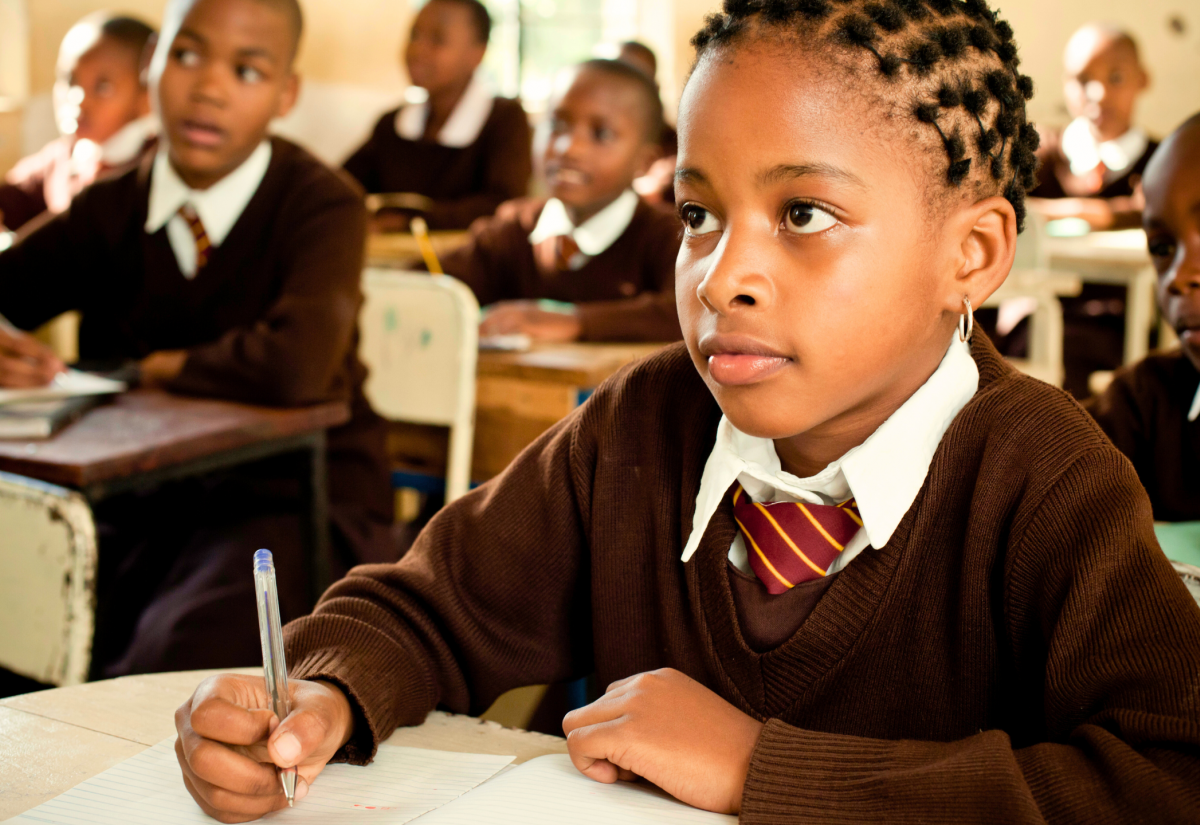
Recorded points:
(40, 412)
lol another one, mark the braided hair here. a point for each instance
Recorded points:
(951, 64)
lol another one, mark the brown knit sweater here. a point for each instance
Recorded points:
(1020, 651)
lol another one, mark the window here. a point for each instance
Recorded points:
(14, 54)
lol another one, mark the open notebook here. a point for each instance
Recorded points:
(401, 785)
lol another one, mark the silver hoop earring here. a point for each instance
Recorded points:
(966, 322)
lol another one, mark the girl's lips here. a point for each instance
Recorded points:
(199, 134)
(733, 369)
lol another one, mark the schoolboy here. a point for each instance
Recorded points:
(607, 258)
(465, 147)
(226, 264)
(1151, 410)
(987, 631)
(103, 113)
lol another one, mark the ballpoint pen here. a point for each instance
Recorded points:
(270, 631)
(420, 231)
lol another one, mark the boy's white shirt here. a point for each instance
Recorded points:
(1084, 151)
(884, 474)
(465, 123)
(218, 207)
(1194, 412)
(594, 235)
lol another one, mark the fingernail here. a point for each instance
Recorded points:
(301, 789)
(288, 748)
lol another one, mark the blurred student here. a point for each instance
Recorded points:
(657, 186)
(464, 147)
(594, 247)
(1151, 410)
(225, 265)
(1091, 168)
(103, 113)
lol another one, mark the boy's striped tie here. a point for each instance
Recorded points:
(789, 542)
(203, 245)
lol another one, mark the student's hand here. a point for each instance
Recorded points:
(525, 317)
(160, 368)
(26, 361)
(228, 761)
(671, 730)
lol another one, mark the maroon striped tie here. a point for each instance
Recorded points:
(792, 542)
(203, 245)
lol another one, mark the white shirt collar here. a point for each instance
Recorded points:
(883, 474)
(465, 123)
(594, 235)
(218, 207)
(1084, 151)
(125, 145)
(1194, 412)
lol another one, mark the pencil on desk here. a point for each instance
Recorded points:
(420, 231)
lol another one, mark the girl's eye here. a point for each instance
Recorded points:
(249, 74)
(104, 88)
(1162, 247)
(697, 220)
(602, 134)
(805, 219)
(187, 58)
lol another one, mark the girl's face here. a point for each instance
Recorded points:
(815, 285)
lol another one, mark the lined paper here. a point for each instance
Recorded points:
(549, 791)
(399, 786)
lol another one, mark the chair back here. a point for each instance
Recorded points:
(47, 592)
(420, 340)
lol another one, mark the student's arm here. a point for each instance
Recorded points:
(1105, 643)
(19, 205)
(291, 355)
(362, 165)
(508, 163)
(1119, 414)
(483, 262)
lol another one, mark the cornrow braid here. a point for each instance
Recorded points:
(955, 60)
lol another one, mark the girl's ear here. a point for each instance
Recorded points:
(988, 230)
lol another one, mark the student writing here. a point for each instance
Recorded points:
(593, 245)
(1000, 639)
(465, 148)
(227, 264)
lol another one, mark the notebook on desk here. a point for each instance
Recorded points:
(402, 785)
(67, 384)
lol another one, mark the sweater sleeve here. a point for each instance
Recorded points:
(363, 165)
(493, 595)
(484, 262)
(290, 356)
(1119, 414)
(507, 166)
(1107, 641)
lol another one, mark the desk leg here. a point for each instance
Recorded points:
(318, 497)
(1139, 314)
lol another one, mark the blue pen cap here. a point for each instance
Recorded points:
(264, 562)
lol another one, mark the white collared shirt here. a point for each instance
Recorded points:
(1084, 151)
(883, 474)
(594, 235)
(1194, 412)
(219, 206)
(125, 145)
(465, 123)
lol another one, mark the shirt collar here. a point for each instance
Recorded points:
(1194, 412)
(219, 206)
(129, 140)
(1084, 152)
(594, 235)
(884, 474)
(465, 123)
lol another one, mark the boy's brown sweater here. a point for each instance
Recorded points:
(1020, 651)
(1144, 411)
(626, 293)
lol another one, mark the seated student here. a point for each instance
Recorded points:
(834, 564)
(227, 265)
(1151, 409)
(103, 114)
(657, 186)
(593, 246)
(465, 148)
(1091, 168)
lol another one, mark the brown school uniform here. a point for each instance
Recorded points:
(271, 319)
(626, 293)
(1020, 651)
(1144, 411)
(465, 183)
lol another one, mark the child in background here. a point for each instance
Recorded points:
(103, 114)
(465, 148)
(227, 265)
(1151, 410)
(657, 186)
(594, 247)
(834, 563)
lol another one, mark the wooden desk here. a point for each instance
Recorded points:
(518, 396)
(52, 740)
(399, 250)
(1115, 258)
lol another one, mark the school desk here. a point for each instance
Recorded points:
(399, 250)
(518, 396)
(52, 740)
(1115, 258)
